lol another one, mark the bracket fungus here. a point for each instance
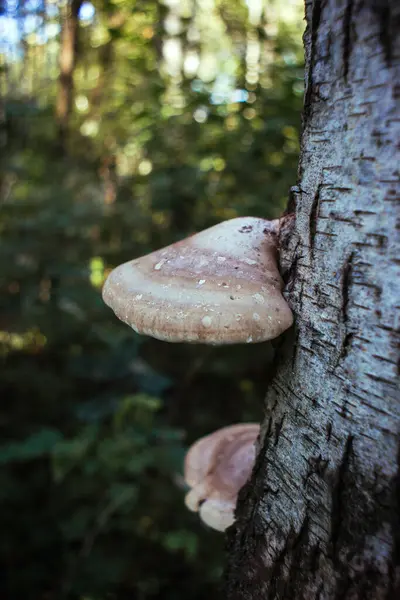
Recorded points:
(216, 468)
(219, 286)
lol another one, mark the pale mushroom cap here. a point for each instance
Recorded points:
(196, 496)
(219, 286)
(216, 467)
(218, 514)
(201, 455)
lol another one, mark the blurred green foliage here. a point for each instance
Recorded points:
(184, 114)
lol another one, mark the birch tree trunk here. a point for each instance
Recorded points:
(320, 517)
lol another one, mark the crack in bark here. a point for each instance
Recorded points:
(290, 276)
(319, 592)
(278, 429)
(281, 346)
(288, 587)
(347, 38)
(338, 506)
(316, 466)
(314, 217)
(296, 347)
(388, 26)
(314, 26)
(294, 192)
(298, 576)
(347, 336)
(394, 581)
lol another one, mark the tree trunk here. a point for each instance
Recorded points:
(320, 517)
(68, 54)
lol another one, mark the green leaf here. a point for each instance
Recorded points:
(182, 540)
(35, 446)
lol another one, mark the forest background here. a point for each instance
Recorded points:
(173, 116)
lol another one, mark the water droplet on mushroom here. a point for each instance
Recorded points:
(206, 322)
(259, 298)
(158, 266)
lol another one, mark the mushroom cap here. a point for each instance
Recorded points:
(216, 467)
(203, 453)
(217, 514)
(219, 286)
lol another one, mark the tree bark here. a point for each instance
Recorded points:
(320, 517)
(68, 55)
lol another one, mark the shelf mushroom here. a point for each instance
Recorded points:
(219, 286)
(216, 468)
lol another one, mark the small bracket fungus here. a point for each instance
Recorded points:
(219, 286)
(216, 468)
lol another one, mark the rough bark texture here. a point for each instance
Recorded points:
(68, 54)
(320, 518)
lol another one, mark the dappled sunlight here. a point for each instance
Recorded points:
(97, 274)
(31, 341)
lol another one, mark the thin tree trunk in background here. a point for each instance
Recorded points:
(105, 63)
(68, 55)
(320, 518)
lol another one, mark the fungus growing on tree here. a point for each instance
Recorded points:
(216, 468)
(219, 286)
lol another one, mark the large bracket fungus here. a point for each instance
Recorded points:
(216, 467)
(219, 286)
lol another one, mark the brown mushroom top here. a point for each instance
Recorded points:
(216, 468)
(219, 286)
